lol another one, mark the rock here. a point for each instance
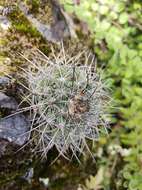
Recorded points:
(6, 10)
(53, 33)
(3, 144)
(7, 102)
(45, 181)
(44, 30)
(14, 129)
(69, 26)
(28, 175)
(59, 30)
(5, 24)
(4, 81)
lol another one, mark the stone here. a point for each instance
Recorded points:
(7, 102)
(14, 129)
(5, 24)
(4, 81)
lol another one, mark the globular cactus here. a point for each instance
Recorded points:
(69, 101)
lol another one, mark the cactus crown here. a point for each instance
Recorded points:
(69, 101)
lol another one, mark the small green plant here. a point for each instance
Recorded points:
(69, 101)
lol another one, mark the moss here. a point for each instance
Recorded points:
(22, 25)
(33, 5)
(2, 42)
(13, 167)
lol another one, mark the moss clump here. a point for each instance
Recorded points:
(22, 25)
(33, 5)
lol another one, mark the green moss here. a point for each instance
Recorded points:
(23, 28)
(22, 25)
(2, 42)
(34, 5)
(12, 167)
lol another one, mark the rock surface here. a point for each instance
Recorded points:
(53, 33)
(14, 129)
(5, 24)
(7, 102)
(4, 81)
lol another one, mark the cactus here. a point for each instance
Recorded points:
(69, 102)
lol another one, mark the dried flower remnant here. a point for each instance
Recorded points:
(78, 105)
(69, 102)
